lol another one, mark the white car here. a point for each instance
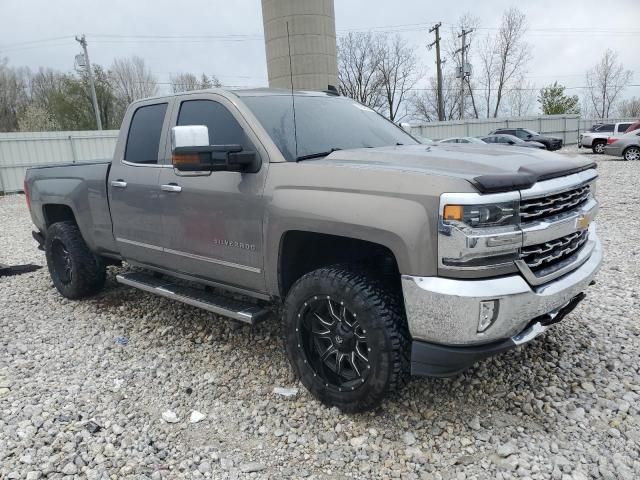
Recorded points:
(597, 139)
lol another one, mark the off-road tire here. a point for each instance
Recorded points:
(598, 146)
(86, 272)
(631, 153)
(379, 310)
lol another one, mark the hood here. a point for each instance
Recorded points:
(547, 137)
(489, 168)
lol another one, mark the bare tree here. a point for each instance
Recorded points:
(185, 82)
(488, 67)
(359, 58)
(425, 104)
(520, 99)
(605, 81)
(13, 95)
(43, 85)
(513, 52)
(503, 60)
(630, 108)
(399, 73)
(132, 80)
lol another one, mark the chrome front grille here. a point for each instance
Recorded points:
(553, 253)
(554, 204)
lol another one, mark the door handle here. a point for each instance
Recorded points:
(119, 183)
(171, 187)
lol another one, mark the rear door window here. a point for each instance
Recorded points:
(143, 141)
(623, 127)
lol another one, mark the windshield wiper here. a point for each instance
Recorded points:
(317, 155)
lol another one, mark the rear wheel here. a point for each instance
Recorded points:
(75, 271)
(346, 337)
(598, 146)
(631, 154)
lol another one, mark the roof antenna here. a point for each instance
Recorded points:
(293, 98)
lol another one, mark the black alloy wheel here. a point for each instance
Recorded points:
(334, 342)
(346, 336)
(62, 263)
(75, 270)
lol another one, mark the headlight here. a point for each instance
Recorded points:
(479, 233)
(491, 215)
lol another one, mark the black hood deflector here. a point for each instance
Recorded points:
(527, 176)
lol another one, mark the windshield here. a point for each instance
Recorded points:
(509, 138)
(323, 124)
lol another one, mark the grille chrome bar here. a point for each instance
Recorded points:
(542, 207)
(555, 251)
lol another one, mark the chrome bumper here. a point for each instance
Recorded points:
(446, 311)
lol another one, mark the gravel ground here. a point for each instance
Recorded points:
(84, 386)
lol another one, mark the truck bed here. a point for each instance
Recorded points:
(83, 188)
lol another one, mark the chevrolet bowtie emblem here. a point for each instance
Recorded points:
(583, 222)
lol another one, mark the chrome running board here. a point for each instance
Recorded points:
(238, 310)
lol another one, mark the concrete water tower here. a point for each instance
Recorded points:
(312, 35)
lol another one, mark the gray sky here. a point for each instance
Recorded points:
(567, 36)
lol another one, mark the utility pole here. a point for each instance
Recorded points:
(436, 42)
(463, 72)
(83, 41)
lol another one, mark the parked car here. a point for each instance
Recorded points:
(634, 126)
(597, 139)
(511, 140)
(462, 140)
(627, 146)
(550, 143)
(602, 127)
(423, 140)
(382, 257)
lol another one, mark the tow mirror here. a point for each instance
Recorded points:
(191, 152)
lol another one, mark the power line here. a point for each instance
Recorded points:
(532, 89)
(408, 27)
(29, 42)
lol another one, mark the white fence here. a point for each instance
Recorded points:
(566, 127)
(18, 151)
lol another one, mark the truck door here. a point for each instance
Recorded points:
(133, 184)
(213, 222)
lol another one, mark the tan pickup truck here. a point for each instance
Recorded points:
(382, 257)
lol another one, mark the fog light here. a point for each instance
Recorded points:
(488, 314)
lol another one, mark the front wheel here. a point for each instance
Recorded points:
(631, 154)
(75, 271)
(346, 337)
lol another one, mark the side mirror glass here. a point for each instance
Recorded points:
(191, 152)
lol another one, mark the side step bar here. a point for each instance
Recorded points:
(219, 304)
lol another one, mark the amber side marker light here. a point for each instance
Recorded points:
(453, 212)
(183, 159)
